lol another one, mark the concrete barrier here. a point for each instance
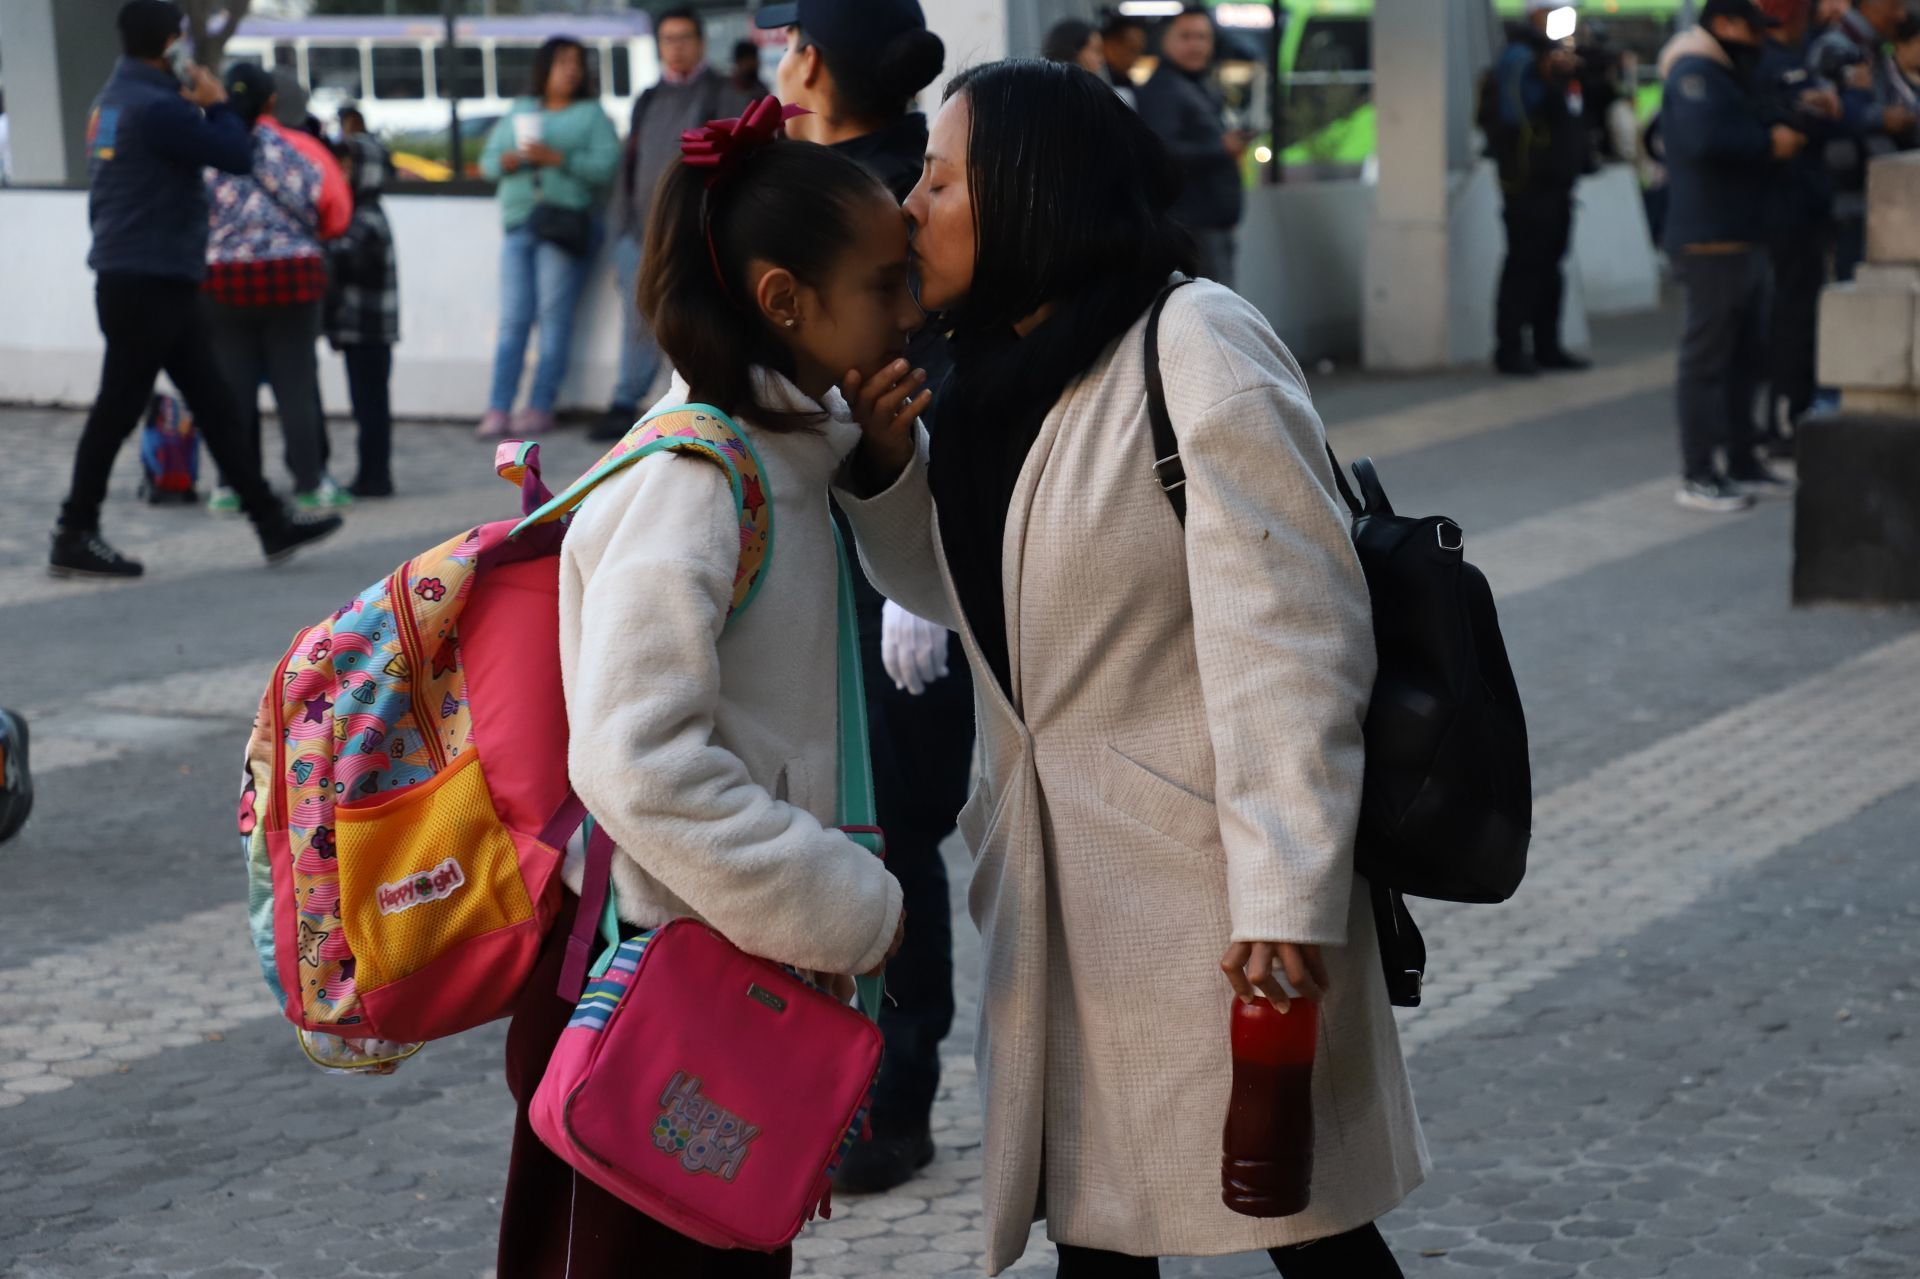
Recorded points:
(449, 298)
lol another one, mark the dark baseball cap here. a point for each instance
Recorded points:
(848, 28)
(250, 87)
(1744, 9)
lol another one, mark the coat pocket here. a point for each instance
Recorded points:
(975, 822)
(1153, 801)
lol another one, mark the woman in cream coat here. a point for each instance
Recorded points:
(1171, 721)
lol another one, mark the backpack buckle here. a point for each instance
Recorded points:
(1167, 485)
(1459, 535)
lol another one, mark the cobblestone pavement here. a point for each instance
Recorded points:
(1688, 1048)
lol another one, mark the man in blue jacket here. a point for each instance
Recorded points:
(1722, 158)
(148, 141)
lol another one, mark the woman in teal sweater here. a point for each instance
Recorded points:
(554, 155)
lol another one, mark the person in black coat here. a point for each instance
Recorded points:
(857, 65)
(1542, 146)
(1799, 214)
(1180, 105)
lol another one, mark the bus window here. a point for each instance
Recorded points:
(513, 69)
(471, 64)
(620, 83)
(284, 56)
(398, 72)
(335, 67)
(1335, 44)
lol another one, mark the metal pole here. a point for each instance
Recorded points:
(1276, 102)
(455, 152)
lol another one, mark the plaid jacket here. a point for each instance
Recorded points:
(363, 304)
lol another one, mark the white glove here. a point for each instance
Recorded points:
(913, 650)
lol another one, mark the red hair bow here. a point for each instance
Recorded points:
(720, 144)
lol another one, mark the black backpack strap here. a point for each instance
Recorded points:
(1166, 445)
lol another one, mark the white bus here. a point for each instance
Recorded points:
(396, 70)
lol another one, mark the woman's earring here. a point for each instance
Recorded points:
(790, 322)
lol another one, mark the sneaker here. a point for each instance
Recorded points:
(1715, 494)
(618, 421)
(495, 425)
(364, 487)
(327, 497)
(530, 422)
(16, 779)
(1762, 481)
(1516, 364)
(286, 534)
(1562, 362)
(86, 554)
(876, 1166)
(223, 502)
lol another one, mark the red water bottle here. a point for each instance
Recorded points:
(1266, 1168)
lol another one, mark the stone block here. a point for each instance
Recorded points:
(1887, 275)
(1856, 530)
(1893, 208)
(1866, 336)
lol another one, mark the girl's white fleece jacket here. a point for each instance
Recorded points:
(709, 751)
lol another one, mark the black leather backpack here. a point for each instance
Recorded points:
(1447, 806)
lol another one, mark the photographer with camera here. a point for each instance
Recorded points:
(1531, 110)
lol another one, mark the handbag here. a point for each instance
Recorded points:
(569, 230)
(1447, 805)
(712, 1090)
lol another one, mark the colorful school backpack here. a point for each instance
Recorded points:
(713, 1090)
(406, 801)
(169, 452)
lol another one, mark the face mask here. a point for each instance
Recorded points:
(180, 59)
(1745, 57)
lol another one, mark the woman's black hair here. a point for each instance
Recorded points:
(789, 203)
(879, 91)
(1072, 198)
(1065, 39)
(543, 61)
(1071, 194)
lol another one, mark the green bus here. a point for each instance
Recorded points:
(1326, 63)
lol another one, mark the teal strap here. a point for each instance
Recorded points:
(856, 760)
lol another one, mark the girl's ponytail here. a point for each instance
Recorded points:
(788, 204)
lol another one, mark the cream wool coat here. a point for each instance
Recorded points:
(709, 751)
(1178, 767)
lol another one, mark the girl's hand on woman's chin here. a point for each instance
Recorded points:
(887, 405)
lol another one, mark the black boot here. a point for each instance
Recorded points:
(876, 1166)
(84, 553)
(284, 532)
(1515, 364)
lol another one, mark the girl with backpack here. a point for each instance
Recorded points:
(1171, 718)
(775, 271)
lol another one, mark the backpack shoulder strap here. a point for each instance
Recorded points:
(699, 430)
(1166, 445)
